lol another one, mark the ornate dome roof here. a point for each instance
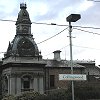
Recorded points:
(22, 46)
(23, 43)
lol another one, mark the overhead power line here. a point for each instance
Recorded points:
(85, 47)
(34, 22)
(49, 24)
(86, 31)
(53, 24)
(74, 46)
(52, 36)
(7, 20)
(87, 27)
(94, 0)
(59, 49)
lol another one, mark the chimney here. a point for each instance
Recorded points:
(57, 55)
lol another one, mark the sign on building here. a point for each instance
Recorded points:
(77, 77)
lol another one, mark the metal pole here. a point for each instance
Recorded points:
(71, 59)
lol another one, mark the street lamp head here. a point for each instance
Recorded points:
(73, 17)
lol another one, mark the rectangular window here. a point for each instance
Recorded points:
(26, 85)
(52, 81)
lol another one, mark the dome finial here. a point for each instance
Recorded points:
(23, 6)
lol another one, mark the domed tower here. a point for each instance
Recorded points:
(23, 67)
(23, 45)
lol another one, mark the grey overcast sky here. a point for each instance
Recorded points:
(86, 44)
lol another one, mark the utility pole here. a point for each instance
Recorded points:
(72, 18)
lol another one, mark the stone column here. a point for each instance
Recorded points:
(35, 84)
(12, 86)
(8, 85)
(41, 85)
(18, 85)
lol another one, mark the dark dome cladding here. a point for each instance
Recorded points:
(23, 44)
(27, 48)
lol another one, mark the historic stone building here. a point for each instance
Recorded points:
(23, 68)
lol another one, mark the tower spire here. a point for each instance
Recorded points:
(23, 23)
(23, 44)
(23, 6)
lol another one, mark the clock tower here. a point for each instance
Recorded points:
(23, 24)
(23, 44)
(23, 66)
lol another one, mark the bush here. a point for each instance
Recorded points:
(59, 94)
(26, 96)
(8, 97)
(84, 92)
(31, 96)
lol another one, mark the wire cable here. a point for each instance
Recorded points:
(7, 20)
(86, 31)
(52, 36)
(85, 47)
(35, 22)
(59, 49)
(74, 46)
(52, 24)
(94, 0)
(49, 24)
(87, 27)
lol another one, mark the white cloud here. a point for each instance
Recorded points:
(7, 6)
(85, 5)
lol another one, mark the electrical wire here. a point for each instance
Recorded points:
(86, 31)
(35, 22)
(74, 46)
(49, 24)
(87, 27)
(85, 47)
(59, 49)
(94, 0)
(53, 24)
(2, 52)
(7, 20)
(52, 36)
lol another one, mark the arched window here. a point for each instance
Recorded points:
(26, 83)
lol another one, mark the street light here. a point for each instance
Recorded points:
(72, 18)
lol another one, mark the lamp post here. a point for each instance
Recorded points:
(72, 18)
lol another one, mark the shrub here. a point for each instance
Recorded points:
(8, 97)
(31, 96)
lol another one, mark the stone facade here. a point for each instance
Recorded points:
(23, 67)
(22, 77)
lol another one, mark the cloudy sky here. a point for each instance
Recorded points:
(86, 41)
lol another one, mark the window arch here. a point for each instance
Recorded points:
(26, 82)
